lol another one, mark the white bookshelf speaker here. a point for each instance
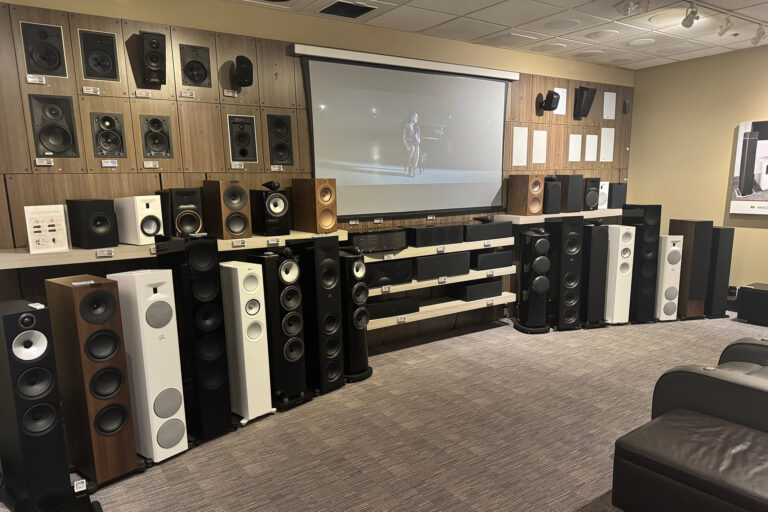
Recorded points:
(602, 197)
(152, 350)
(668, 276)
(138, 219)
(245, 319)
(47, 229)
(621, 253)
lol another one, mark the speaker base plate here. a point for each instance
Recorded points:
(357, 377)
(714, 317)
(292, 402)
(594, 325)
(700, 317)
(530, 330)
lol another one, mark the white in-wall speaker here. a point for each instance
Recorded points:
(139, 219)
(245, 319)
(668, 276)
(602, 198)
(152, 350)
(621, 253)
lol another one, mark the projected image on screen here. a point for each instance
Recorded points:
(399, 141)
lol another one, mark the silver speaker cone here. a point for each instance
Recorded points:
(289, 271)
(29, 345)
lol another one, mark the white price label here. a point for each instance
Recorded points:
(151, 164)
(36, 305)
(238, 243)
(442, 280)
(276, 168)
(487, 243)
(153, 249)
(237, 165)
(431, 217)
(388, 257)
(489, 273)
(91, 90)
(354, 222)
(229, 93)
(109, 163)
(186, 93)
(143, 93)
(44, 162)
(490, 302)
(440, 249)
(105, 253)
(36, 79)
(273, 242)
(80, 485)
(402, 319)
(378, 220)
(386, 288)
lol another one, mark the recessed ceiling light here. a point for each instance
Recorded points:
(667, 17)
(562, 24)
(645, 41)
(550, 47)
(602, 34)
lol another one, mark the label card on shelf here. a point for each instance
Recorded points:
(388, 257)
(238, 243)
(402, 319)
(105, 253)
(91, 90)
(84, 283)
(80, 485)
(431, 216)
(44, 162)
(490, 302)
(354, 222)
(36, 79)
(151, 164)
(490, 273)
(276, 168)
(378, 220)
(186, 93)
(143, 93)
(273, 242)
(486, 243)
(386, 288)
(442, 280)
(440, 249)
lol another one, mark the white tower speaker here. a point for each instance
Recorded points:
(602, 198)
(668, 276)
(138, 219)
(245, 319)
(621, 253)
(152, 350)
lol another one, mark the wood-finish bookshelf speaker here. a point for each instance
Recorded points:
(525, 194)
(314, 204)
(226, 210)
(93, 377)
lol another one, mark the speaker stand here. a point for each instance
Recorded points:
(701, 317)
(295, 401)
(595, 325)
(714, 317)
(640, 322)
(357, 377)
(530, 330)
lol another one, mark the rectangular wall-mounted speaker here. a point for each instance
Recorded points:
(694, 272)
(226, 210)
(582, 101)
(525, 194)
(195, 65)
(108, 130)
(92, 223)
(182, 210)
(314, 204)
(99, 54)
(280, 139)
(441, 265)
(243, 71)
(53, 126)
(153, 59)
(719, 272)
(591, 193)
(552, 195)
(43, 49)
(617, 195)
(242, 138)
(571, 198)
(156, 137)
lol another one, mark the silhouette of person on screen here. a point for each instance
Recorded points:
(412, 143)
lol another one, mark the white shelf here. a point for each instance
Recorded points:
(538, 219)
(441, 309)
(473, 275)
(263, 242)
(415, 252)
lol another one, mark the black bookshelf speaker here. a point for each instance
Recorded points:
(153, 59)
(552, 195)
(593, 273)
(285, 328)
(99, 53)
(719, 272)
(323, 330)
(566, 237)
(32, 441)
(92, 223)
(108, 130)
(195, 65)
(617, 195)
(242, 138)
(182, 211)
(53, 126)
(572, 192)
(354, 296)
(243, 71)
(271, 212)
(202, 342)
(156, 140)
(43, 49)
(535, 266)
(647, 222)
(280, 139)
(591, 193)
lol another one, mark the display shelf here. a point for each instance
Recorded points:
(538, 219)
(11, 259)
(415, 252)
(473, 275)
(263, 242)
(441, 309)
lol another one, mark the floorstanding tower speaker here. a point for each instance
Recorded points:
(285, 328)
(534, 281)
(93, 375)
(621, 248)
(719, 272)
(668, 277)
(202, 342)
(242, 293)
(593, 276)
(647, 222)
(566, 236)
(694, 273)
(354, 295)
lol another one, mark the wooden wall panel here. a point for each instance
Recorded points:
(201, 137)
(134, 52)
(301, 91)
(171, 180)
(228, 47)
(6, 234)
(145, 107)
(204, 38)
(294, 137)
(60, 165)
(305, 143)
(236, 110)
(277, 76)
(121, 106)
(78, 22)
(624, 126)
(14, 152)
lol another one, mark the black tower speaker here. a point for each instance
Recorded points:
(719, 272)
(285, 328)
(566, 237)
(535, 265)
(647, 222)
(552, 195)
(747, 165)
(53, 126)
(323, 332)
(182, 211)
(354, 295)
(202, 342)
(33, 448)
(99, 53)
(195, 65)
(271, 212)
(591, 193)
(617, 195)
(108, 135)
(243, 71)
(595, 263)
(152, 59)
(92, 223)
(156, 141)
(242, 139)
(280, 140)
(43, 49)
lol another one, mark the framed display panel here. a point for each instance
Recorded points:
(269, 149)
(277, 74)
(228, 48)
(142, 111)
(201, 137)
(232, 141)
(99, 55)
(108, 142)
(134, 51)
(194, 64)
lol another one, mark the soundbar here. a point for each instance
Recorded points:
(476, 290)
(441, 265)
(435, 235)
(378, 241)
(488, 230)
(383, 308)
(489, 260)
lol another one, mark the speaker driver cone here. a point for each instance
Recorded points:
(290, 298)
(100, 223)
(292, 324)
(106, 383)
(280, 128)
(332, 348)
(236, 223)
(358, 269)
(277, 204)
(360, 318)
(39, 418)
(360, 293)
(98, 306)
(157, 142)
(195, 71)
(202, 257)
(155, 124)
(326, 219)
(55, 138)
(208, 317)
(100, 62)
(29, 345)
(572, 244)
(109, 141)
(167, 403)
(107, 123)
(210, 347)
(331, 323)
(540, 284)
(110, 420)
(235, 197)
(150, 225)
(45, 56)
(102, 345)
(591, 198)
(242, 138)
(333, 371)
(570, 280)
(289, 271)
(154, 60)
(541, 246)
(325, 194)
(188, 222)
(329, 275)
(281, 151)
(293, 349)
(541, 265)
(35, 382)
(205, 288)
(252, 307)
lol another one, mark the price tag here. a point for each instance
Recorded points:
(487, 243)
(237, 165)
(229, 93)
(105, 253)
(153, 249)
(442, 280)
(186, 93)
(489, 302)
(91, 90)
(109, 163)
(431, 217)
(378, 220)
(84, 283)
(489, 273)
(402, 319)
(79, 485)
(440, 249)
(354, 222)
(36, 79)
(151, 164)
(276, 168)
(238, 243)
(143, 93)
(36, 305)
(273, 242)
(388, 257)
(44, 162)
(386, 288)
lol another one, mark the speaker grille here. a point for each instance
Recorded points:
(171, 433)
(159, 314)
(167, 403)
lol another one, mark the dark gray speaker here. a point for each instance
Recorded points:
(242, 138)
(99, 53)
(53, 126)
(108, 132)
(156, 141)
(195, 65)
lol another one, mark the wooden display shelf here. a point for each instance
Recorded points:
(473, 275)
(441, 309)
(415, 252)
(262, 242)
(539, 219)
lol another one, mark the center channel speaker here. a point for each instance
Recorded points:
(535, 266)
(32, 441)
(227, 213)
(139, 219)
(354, 295)
(621, 248)
(202, 340)
(271, 211)
(43, 49)
(93, 375)
(719, 272)
(435, 235)
(572, 191)
(147, 307)
(647, 221)
(389, 273)
(280, 139)
(152, 59)
(566, 237)
(92, 223)
(552, 195)
(593, 275)
(53, 126)
(694, 272)
(156, 141)
(441, 265)
(195, 65)
(668, 276)
(242, 138)
(525, 195)
(314, 204)
(99, 53)
(245, 317)
(591, 193)
(108, 131)
(285, 328)
(323, 332)
(182, 211)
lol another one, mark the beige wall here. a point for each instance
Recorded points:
(683, 136)
(270, 23)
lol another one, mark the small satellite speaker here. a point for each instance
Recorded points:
(582, 102)
(552, 195)
(243, 71)
(92, 223)
(152, 59)
(226, 210)
(271, 211)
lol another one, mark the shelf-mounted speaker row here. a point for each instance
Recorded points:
(354, 296)
(535, 266)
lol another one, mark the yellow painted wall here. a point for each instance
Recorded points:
(683, 137)
(270, 23)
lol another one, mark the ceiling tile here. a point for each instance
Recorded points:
(741, 31)
(713, 50)
(587, 53)
(379, 8)
(733, 4)
(656, 61)
(554, 46)
(562, 23)
(741, 45)
(464, 29)
(658, 19)
(514, 12)
(642, 42)
(287, 4)
(410, 19)
(457, 7)
(566, 4)
(618, 57)
(608, 8)
(758, 11)
(512, 38)
(672, 50)
(605, 32)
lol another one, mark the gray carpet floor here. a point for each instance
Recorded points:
(484, 420)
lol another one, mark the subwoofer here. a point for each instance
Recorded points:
(152, 59)
(591, 193)
(593, 275)
(202, 341)
(227, 213)
(93, 375)
(668, 277)
(43, 49)
(108, 131)
(552, 195)
(621, 249)
(535, 266)
(602, 202)
(647, 221)
(525, 194)
(245, 317)
(195, 65)
(99, 54)
(139, 219)
(694, 272)
(566, 237)
(571, 198)
(156, 140)
(719, 272)
(280, 139)
(147, 307)
(53, 126)
(271, 211)
(314, 204)
(285, 328)
(182, 211)
(354, 295)
(242, 138)
(92, 223)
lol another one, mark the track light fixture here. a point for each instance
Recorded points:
(725, 27)
(759, 35)
(691, 15)
(627, 7)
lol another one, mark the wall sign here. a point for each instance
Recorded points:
(749, 189)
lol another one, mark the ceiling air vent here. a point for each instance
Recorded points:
(347, 10)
